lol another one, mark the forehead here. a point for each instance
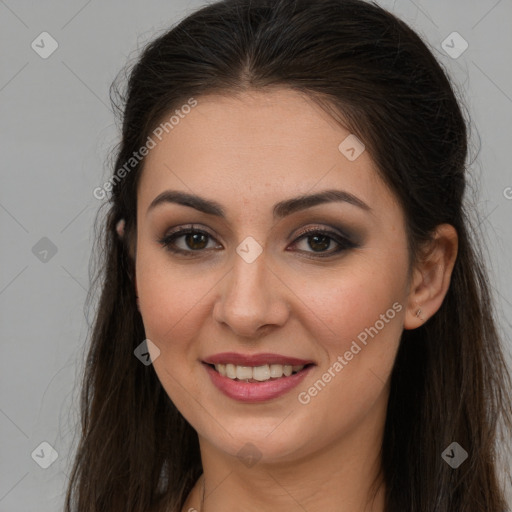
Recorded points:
(259, 145)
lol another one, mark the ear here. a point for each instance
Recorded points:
(431, 276)
(120, 228)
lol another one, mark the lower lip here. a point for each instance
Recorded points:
(255, 391)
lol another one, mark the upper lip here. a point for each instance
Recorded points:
(254, 359)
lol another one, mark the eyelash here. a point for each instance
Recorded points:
(343, 242)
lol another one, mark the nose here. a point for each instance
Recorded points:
(252, 300)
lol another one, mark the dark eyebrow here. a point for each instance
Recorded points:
(281, 209)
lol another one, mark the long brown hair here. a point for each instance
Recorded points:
(450, 382)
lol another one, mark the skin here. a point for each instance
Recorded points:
(248, 153)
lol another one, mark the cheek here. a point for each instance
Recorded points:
(172, 312)
(356, 317)
(346, 302)
(171, 298)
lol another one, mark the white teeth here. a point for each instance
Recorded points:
(243, 372)
(259, 373)
(276, 370)
(230, 371)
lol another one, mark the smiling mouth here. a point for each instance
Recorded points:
(263, 373)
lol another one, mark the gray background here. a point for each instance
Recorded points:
(57, 130)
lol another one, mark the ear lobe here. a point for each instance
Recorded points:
(120, 228)
(431, 277)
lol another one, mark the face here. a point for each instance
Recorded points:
(318, 286)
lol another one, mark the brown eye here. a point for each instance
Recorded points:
(319, 241)
(196, 240)
(188, 240)
(193, 240)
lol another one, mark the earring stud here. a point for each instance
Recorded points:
(418, 313)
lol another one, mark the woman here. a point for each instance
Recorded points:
(294, 315)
